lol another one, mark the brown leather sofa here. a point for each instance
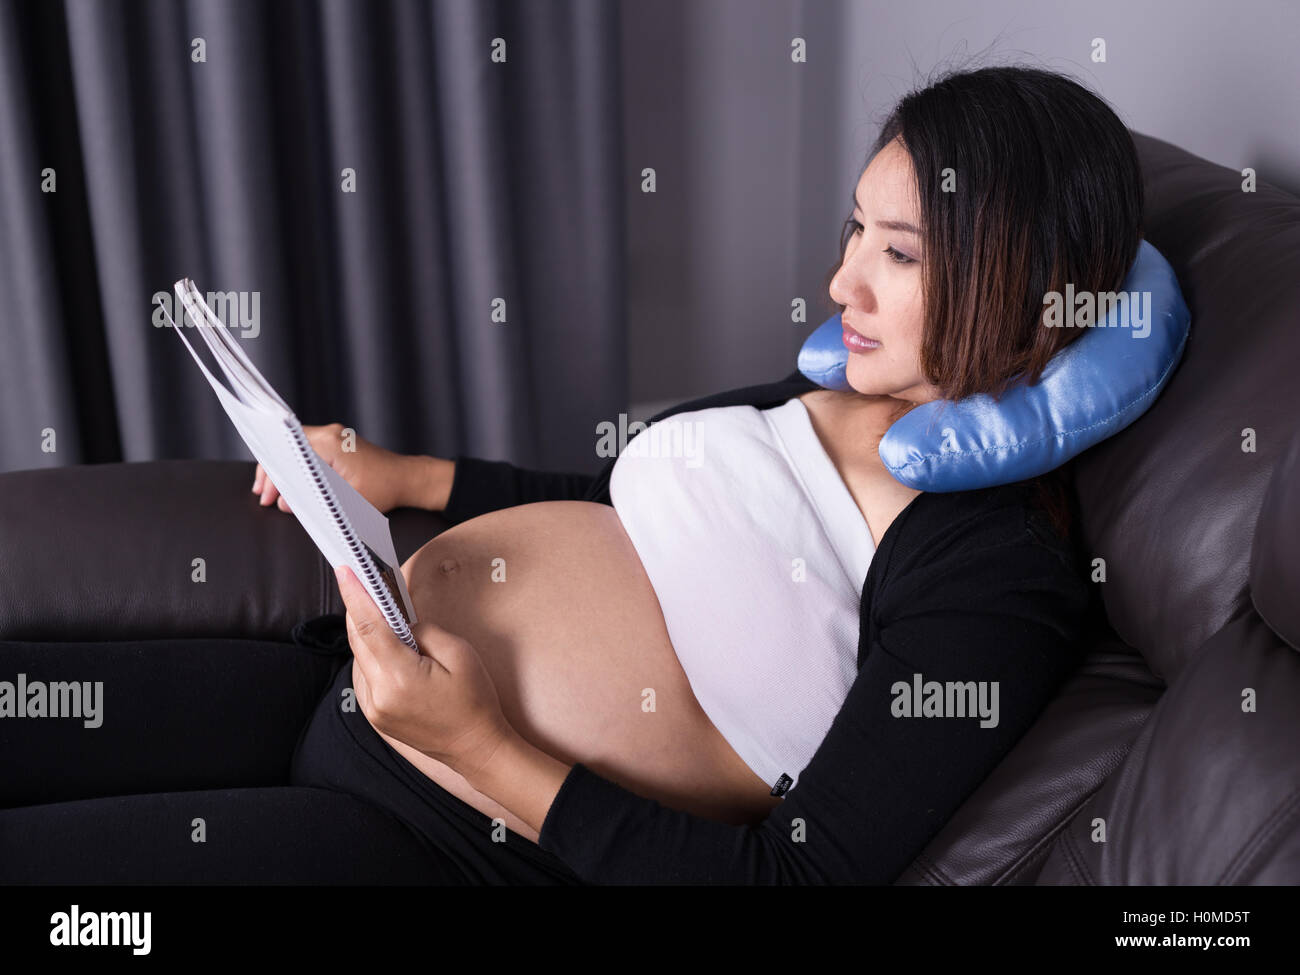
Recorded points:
(1171, 757)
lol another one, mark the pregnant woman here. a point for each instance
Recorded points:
(687, 668)
(698, 665)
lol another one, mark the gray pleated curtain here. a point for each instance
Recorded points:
(476, 183)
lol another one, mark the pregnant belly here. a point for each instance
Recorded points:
(556, 601)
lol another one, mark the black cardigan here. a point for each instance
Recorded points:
(966, 586)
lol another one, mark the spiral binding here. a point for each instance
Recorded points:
(387, 606)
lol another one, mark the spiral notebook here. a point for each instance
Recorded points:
(347, 528)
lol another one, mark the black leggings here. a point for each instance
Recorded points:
(229, 761)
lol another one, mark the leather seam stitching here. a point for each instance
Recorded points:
(1286, 811)
(1074, 860)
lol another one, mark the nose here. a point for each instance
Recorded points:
(849, 286)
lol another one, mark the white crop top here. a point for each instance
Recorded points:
(758, 555)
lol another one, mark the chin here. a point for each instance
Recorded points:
(868, 381)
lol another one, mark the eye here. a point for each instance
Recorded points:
(898, 257)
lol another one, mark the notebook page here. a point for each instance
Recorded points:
(271, 433)
(268, 438)
(232, 359)
(371, 526)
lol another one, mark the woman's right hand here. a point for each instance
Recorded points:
(386, 479)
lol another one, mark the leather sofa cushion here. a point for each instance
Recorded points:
(1171, 502)
(105, 552)
(1274, 564)
(1207, 796)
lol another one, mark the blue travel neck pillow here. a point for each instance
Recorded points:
(1090, 390)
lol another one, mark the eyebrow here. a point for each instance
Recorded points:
(899, 225)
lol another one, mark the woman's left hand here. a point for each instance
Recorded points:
(441, 702)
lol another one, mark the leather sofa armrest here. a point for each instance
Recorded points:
(106, 552)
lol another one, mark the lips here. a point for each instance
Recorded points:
(856, 341)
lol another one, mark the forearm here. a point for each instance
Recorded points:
(520, 776)
(426, 481)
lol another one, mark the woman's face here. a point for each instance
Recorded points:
(879, 282)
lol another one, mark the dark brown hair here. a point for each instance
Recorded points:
(1048, 191)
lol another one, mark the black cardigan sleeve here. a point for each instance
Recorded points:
(961, 589)
(479, 486)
